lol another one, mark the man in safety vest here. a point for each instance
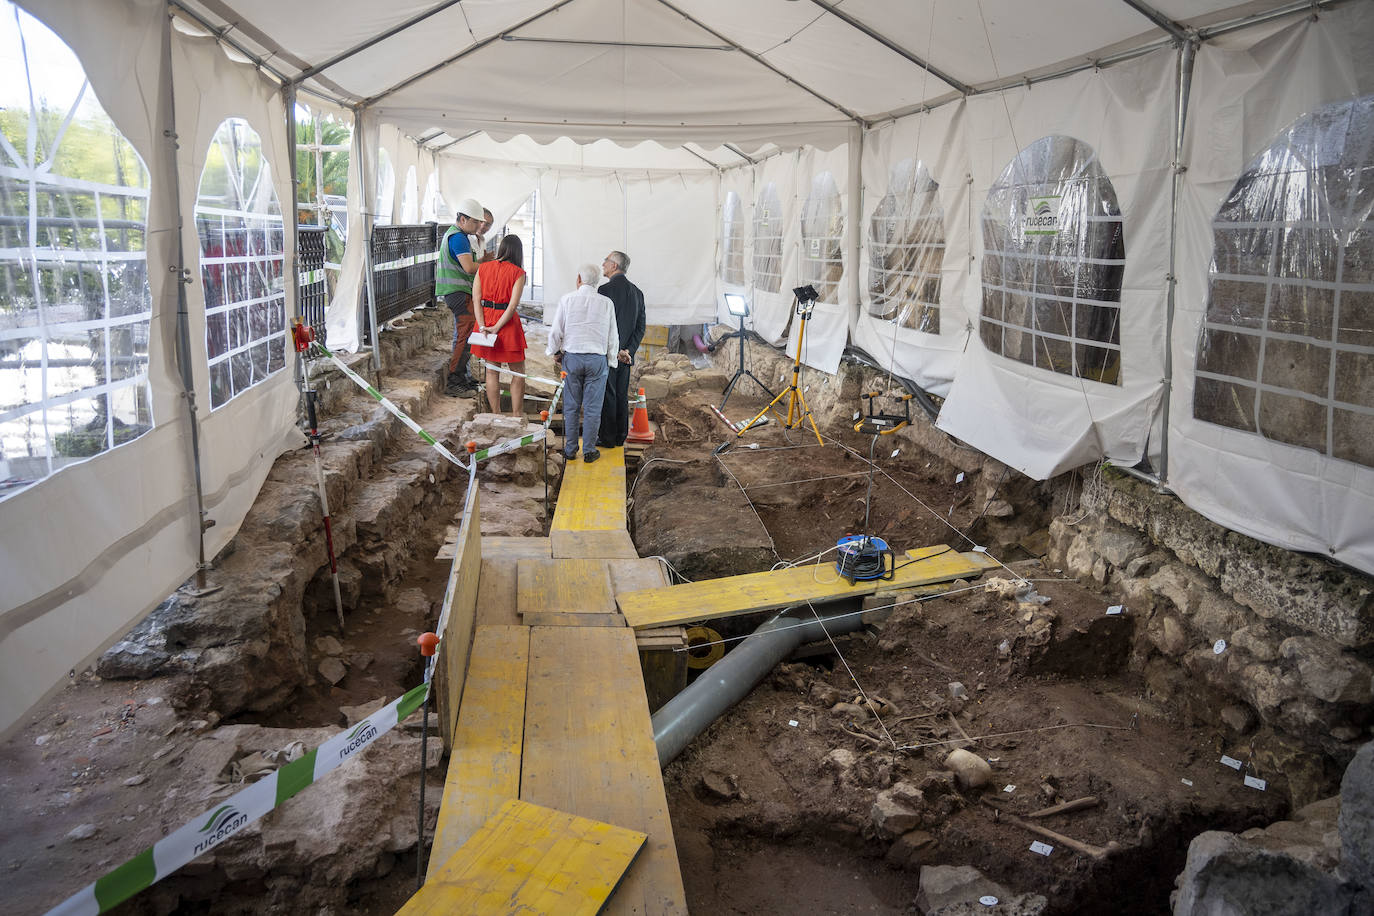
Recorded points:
(453, 273)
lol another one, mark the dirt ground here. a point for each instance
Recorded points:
(769, 816)
(773, 806)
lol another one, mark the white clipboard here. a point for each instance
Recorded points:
(482, 340)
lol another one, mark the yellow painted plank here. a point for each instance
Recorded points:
(484, 768)
(496, 603)
(592, 497)
(566, 593)
(528, 859)
(754, 592)
(634, 575)
(502, 546)
(582, 544)
(589, 750)
(458, 616)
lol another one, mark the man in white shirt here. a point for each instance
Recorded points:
(584, 341)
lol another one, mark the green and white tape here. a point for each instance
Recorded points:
(307, 277)
(391, 408)
(509, 445)
(212, 828)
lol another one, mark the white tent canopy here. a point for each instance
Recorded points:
(1003, 201)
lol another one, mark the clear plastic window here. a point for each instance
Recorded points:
(1054, 252)
(386, 189)
(433, 209)
(525, 223)
(242, 251)
(1287, 346)
(410, 198)
(768, 240)
(322, 148)
(75, 310)
(822, 231)
(732, 241)
(906, 249)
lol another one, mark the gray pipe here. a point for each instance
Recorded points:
(729, 680)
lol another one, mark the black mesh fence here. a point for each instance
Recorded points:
(402, 270)
(314, 292)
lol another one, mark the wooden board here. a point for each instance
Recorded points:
(566, 593)
(754, 592)
(592, 497)
(484, 768)
(634, 575)
(589, 750)
(529, 859)
(584, 544)
(501, 546)
(496, 603)
(458, 616)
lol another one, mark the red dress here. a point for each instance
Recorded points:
(498, 280)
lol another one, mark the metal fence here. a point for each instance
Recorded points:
(314, 291)
(402, 270)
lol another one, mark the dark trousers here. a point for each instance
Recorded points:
(463, 323)
(615, 412)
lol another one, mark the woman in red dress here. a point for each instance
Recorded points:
(498, 286)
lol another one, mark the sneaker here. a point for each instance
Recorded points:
(589, 457)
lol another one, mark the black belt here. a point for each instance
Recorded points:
(487, 303)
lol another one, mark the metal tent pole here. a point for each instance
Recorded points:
(181, 276)
(1185, 85)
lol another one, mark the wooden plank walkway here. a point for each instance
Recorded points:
(589, 750)
(484, 767)
(592, 497)
(763, 591)
(529, 859)
(573, 593)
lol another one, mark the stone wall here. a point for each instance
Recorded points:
(1275, 646)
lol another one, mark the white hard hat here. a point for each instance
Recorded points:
(469, 208)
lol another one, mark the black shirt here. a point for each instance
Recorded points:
(629, 311)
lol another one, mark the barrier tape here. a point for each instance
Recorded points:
(532, 378)
(402, 263)
(508, 445)
(308, 277)
(391, 408)
(204, 833)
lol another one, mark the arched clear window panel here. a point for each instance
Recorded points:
(75, 309)
(410, 198)
(525, 224)
(768, 240)
(386, 189)
(822, 231)
(732, 241)
(322, 157)
(1287, 345)
(1054, 252)
(242, 251)
(906, 249)
(433, 209)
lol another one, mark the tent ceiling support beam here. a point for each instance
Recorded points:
(463, 53)
(471, 133)
(383, 36)
(1302, 6)
(1178, 32)
(688, 149)
(617, 44)
(740, 153)
(222, 35)
(758, 59)
(234, 21)
(834, 10)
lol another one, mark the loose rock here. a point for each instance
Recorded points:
(332, 670)
(970, 770)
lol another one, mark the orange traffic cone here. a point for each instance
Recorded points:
(639, 426)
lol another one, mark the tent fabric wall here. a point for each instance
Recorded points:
(664, 222)
(1036, 421)
(937, 140)
(89, 551)
(1245, 91)
(827, 330)
(773, 310)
